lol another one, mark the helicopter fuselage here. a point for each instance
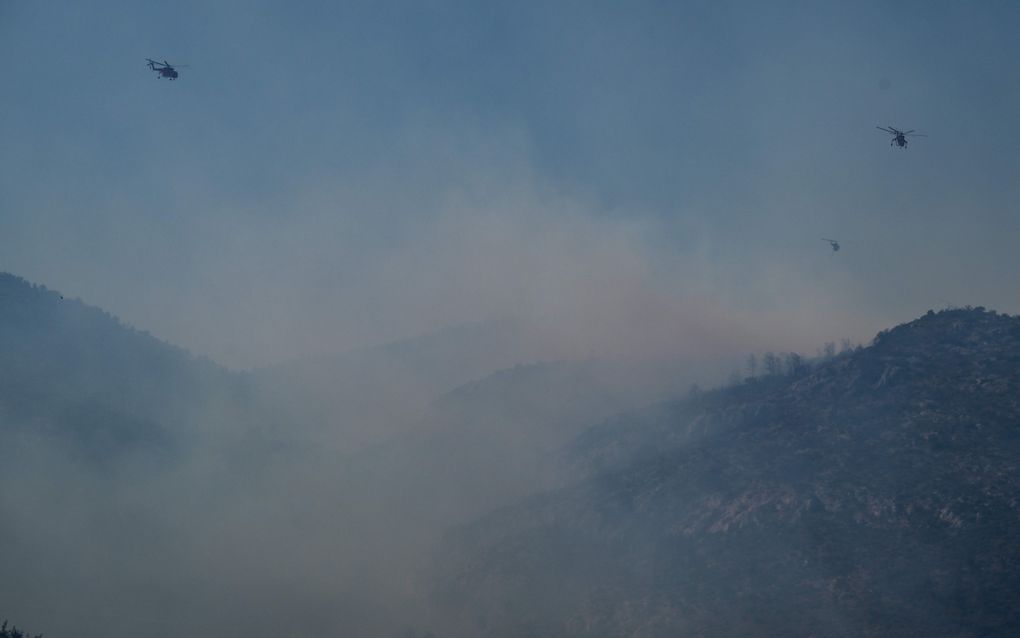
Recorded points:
(899, 138)
(162, 69)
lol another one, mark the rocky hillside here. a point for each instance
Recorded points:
(873, 494)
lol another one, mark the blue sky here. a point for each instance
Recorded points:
(327, 175)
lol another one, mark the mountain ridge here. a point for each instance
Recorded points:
(870, 495)
(77, 373)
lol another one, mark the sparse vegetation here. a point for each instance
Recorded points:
(14, 632)
(876, 487)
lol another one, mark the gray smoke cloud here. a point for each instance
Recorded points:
(435, 243)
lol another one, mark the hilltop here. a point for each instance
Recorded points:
(78, 376)
(871, 494)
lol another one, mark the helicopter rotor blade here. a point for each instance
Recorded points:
(917, 135)
(884, 130)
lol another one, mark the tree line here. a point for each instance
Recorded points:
(14, 632)
(785, 364)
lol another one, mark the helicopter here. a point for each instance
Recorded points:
(833, 243)
(164, 69)
(899, 137)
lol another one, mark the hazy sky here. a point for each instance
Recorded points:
(328, 175)
(635, 178)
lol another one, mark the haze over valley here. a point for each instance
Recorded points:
(459, 319)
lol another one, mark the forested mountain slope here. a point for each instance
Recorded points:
(73, 372)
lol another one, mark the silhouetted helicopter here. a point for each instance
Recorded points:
(833, 243)
(900, 137)
(164, 69)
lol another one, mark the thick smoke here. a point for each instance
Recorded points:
(310, 500)
(432, 245)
